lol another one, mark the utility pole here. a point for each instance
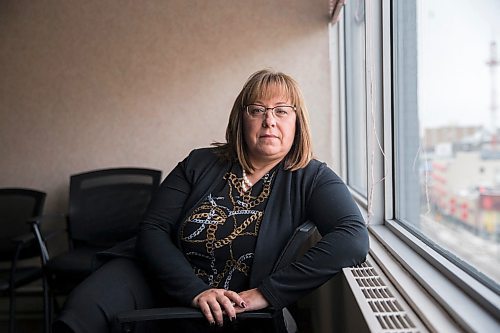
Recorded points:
(492, 63)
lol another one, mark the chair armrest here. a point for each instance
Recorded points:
(181, 313)
(42, 220)
(24, 239)
(21, 239)
(159, 313)
(35, 228)
(47, 234)
(43, 237)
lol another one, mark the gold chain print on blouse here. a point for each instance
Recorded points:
(219, 236)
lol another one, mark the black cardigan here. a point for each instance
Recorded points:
(313, 193)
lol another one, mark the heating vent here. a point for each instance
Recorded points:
(384, 310)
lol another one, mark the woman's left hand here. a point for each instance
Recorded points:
(254, 300)
(214, 303)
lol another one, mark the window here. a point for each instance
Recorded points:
(445, 127)
(355, 72)
(446, 132)
(419, 102)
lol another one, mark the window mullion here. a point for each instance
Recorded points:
(374, 114)
(388, 146)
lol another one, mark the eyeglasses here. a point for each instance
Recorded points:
(259, 112)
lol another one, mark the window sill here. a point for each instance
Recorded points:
(444, 297)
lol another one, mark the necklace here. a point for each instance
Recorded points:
(250, 201)
(245, 183)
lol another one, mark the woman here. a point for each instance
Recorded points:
(222, 217)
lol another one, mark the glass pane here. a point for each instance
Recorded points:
(356, 95)
(447, 137)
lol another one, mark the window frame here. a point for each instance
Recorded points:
(443, 281)
(357, 184)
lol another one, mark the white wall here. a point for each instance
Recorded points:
(96, 84)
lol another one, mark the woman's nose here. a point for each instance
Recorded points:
(269, 119)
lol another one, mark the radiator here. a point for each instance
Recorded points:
(383, 308)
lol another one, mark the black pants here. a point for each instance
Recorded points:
(118, 286)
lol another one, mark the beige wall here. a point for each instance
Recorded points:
(96, 84)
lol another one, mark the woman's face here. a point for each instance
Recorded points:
(269, 138)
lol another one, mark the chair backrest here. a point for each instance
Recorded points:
(106, 206)
(300, 241)
(17, 206)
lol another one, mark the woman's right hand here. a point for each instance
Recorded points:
(213, 303)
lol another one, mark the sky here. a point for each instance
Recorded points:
(454, 39)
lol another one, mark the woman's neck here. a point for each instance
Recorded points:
(260, 170)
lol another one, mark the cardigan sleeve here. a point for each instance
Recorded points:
(344, 242)
(156, 246)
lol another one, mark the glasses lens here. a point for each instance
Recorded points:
(255, 111)
(282, 111)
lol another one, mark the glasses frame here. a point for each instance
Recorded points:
(294, 109)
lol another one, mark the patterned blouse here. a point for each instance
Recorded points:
(219, 236)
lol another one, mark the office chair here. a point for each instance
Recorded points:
(300, 241)
(18, 206)
(105, 207)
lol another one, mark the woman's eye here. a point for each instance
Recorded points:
(256, 111)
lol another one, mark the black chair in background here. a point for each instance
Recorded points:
(105, 207)
(18, 207)
(283, 322)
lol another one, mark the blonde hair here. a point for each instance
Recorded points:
(262, 85)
